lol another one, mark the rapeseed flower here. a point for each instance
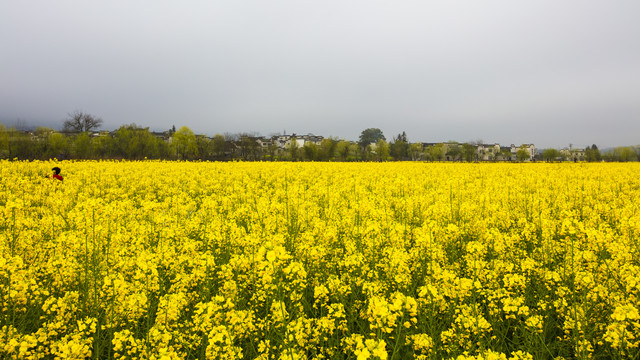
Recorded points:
(200, 260)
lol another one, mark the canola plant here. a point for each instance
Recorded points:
(197, 260)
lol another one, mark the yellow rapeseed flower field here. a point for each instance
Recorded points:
(196, 260)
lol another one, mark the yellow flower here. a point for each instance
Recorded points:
(625, 312)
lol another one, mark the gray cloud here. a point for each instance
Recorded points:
(546, 72)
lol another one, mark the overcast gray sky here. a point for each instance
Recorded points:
(549, 72)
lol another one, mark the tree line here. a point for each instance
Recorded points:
(79, 140)
(133, 142)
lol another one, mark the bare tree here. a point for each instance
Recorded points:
(80, 122)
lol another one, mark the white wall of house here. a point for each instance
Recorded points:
(487, 151)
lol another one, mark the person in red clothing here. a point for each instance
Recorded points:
(56, 174)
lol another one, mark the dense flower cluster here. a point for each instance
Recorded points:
(173, 260)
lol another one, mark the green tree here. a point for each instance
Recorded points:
(523, 154)
(415, 151)
(370, 136)
(153, 147)
(205, 147)
(310, 150)
(232, 149)
(355, 152)
(383, 151)
(248, 146)
(327, 150)
(624, 154)
(400, 147)
(505, 154)
(343, 150)
(82, 148)
(453, 151)
(469, 152)
(219, 146)
(636, 150)
(550, 154)
(4, 142)
(103, 146)
(253, 148)
(40, 145)
(17, 144)
(436, 152)
(272, 151)
(184, 143)
(592, 153)
(58, 146)
(133, 142)
(367, 153)
(293, 149)
(164, 149)
(125, 143)
(20, 145)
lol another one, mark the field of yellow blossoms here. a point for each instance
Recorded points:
(196, 260)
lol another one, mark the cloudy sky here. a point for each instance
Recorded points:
(549, 72)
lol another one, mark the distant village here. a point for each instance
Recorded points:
(82, 139)
(446, 151)
(133, 142)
